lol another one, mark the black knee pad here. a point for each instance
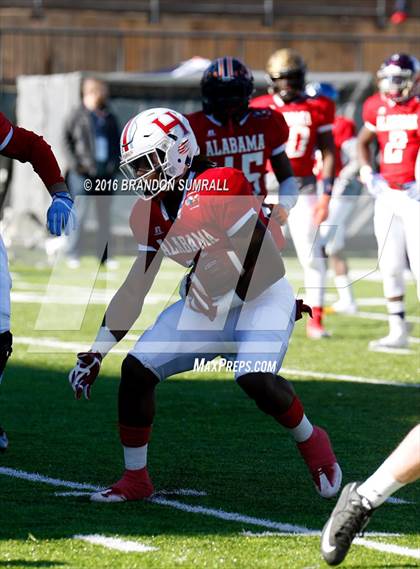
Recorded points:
(134, 372)
(6, 341)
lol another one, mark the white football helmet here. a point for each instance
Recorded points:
(157, 140)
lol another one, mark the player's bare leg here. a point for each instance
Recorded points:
(276, 397)
(136, 411)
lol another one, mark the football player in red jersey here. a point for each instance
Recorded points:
(208, 221)
(26, 146)
(232, 134)
(310, 123)
(346, 191)
(392, 118)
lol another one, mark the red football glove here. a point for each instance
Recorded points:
(301, 309)
(84, 373)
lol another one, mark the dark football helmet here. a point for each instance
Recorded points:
(398, 77)
(226, 88)
(286, 71)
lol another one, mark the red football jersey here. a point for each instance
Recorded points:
(305, 118)
(343, 129)
(397, 128)
(206, 219)
(26, 146)
(247, 146)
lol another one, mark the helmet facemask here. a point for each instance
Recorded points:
(397, 85)
(288, 85)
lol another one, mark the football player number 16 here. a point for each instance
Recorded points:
(247, 161)
(394, 148)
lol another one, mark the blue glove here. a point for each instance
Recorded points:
(61, 215)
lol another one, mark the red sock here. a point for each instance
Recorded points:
(296, 421)
(134, 436)
(293, 416)
(317, 312)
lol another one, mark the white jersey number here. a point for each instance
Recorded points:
(247, 160)
(298, 140)
(394, 148)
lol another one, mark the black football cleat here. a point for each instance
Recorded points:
(348, 519)
(4, 442)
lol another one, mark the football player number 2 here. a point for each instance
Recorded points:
(298, 141)
(394, 148)
(248, 160)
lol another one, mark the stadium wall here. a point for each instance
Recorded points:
(69, 40)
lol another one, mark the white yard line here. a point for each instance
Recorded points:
(80, 299)
(315, 533)
(388, 548)
(73, 493)
(35, 477)
(232, 516)
(117, 543)
(76, 347)
(396, 351)
(381, 316)
(181, 492)
(285, 528)
(345, 377)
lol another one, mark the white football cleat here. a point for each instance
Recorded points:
(341, 307)
(134, 485)
(322, 463)
(108, 496)
(390, 341)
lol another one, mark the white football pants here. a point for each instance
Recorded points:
(251, 335)
(308, 244)
(333, 230)
(5, 286)
(397, 231)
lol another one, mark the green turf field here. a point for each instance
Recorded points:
(207, 437)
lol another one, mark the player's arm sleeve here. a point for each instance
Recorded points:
(127, 303)
(26, 146)
(140, 219)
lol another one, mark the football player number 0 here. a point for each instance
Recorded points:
(394, 148)
(248, 160)
(298, 141)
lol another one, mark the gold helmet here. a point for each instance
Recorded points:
(284, 62)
